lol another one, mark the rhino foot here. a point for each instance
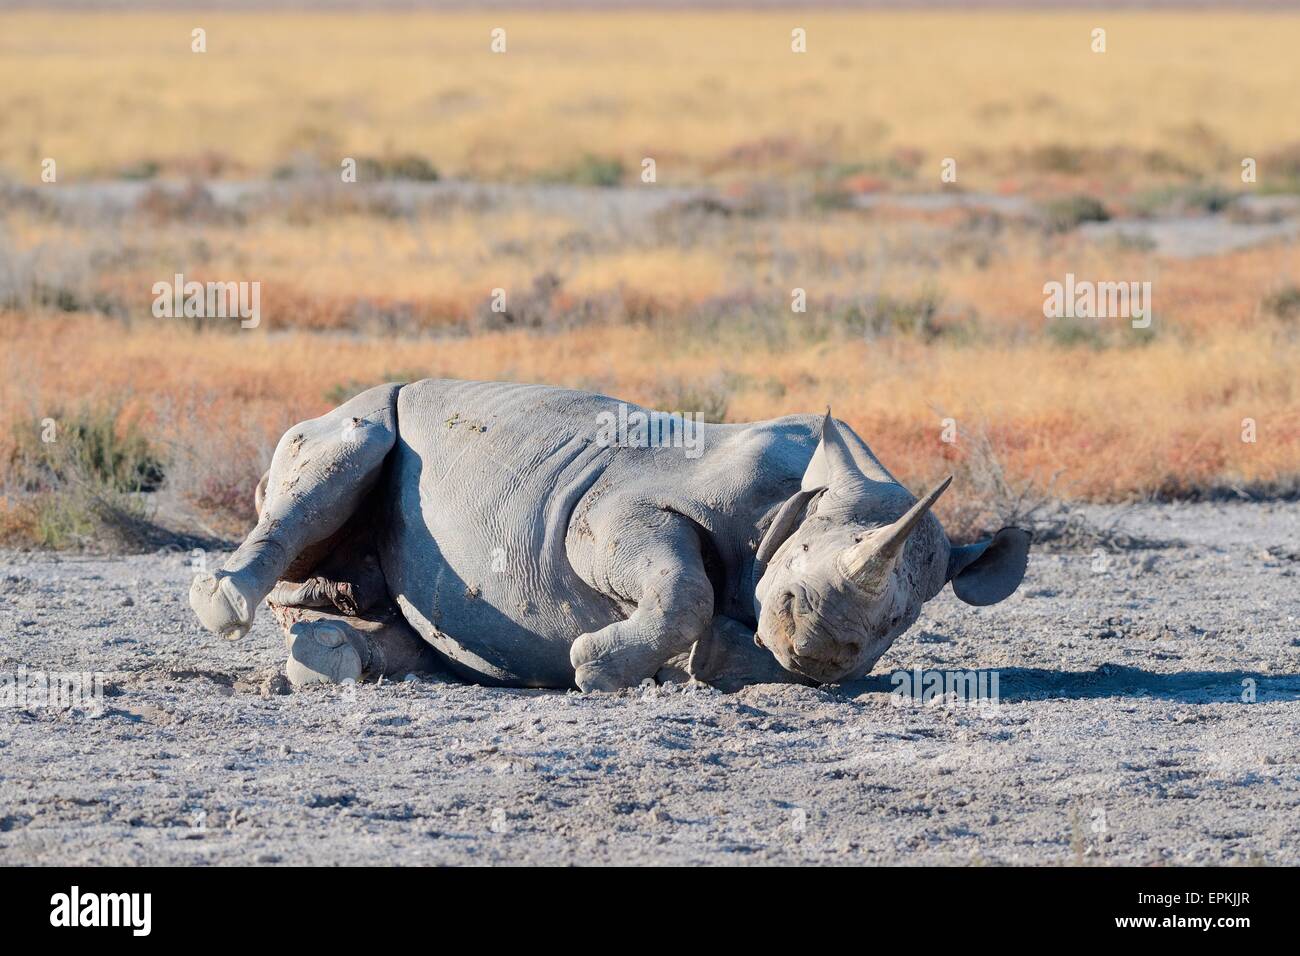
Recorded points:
(220, 605)
(599, 676)
(323, 652)
(601, 661)
(728, 658)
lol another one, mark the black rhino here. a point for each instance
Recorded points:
(498, 527)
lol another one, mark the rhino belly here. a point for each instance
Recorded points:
(474, 546)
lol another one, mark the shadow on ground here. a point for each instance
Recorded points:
(1017, 684)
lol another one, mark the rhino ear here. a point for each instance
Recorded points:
(990, 571)
(783, 525)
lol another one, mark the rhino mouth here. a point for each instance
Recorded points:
(822, 669)
(802, 643)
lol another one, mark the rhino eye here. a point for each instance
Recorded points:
(805, 547)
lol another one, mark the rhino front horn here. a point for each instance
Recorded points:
(868, 563)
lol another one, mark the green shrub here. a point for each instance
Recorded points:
(1284, 303)
(1184, 200)
(404, 166)
(89, 445)
(709, 397)
(80, 479)
(341, 392)
(1069, 212)
(592, 170)
(140, 170)
(884, 315)
(1058, 158)
(1076, 333)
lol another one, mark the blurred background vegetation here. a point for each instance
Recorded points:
(774, 172)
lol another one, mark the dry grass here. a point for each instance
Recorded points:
(1009, 94)
(1109, 425)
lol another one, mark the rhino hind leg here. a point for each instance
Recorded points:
(339, 621)
(320, 474)
(329, 647)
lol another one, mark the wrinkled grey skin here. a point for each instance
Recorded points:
(527, 552)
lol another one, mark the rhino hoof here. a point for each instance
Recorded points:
(320, 652)
(598, 666)
(593, 677)
(219, 605)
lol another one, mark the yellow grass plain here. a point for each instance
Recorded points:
(706, 94)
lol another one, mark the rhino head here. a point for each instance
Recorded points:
(848, 561)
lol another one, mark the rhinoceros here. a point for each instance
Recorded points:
(508, 533)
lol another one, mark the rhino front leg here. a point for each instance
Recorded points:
(321, 471)
(655, 565)
(728, 658)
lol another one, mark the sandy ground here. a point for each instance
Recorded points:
(1121, 734)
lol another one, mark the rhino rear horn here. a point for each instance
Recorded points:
(841, 468)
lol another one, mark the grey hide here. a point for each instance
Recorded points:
(527, 547)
